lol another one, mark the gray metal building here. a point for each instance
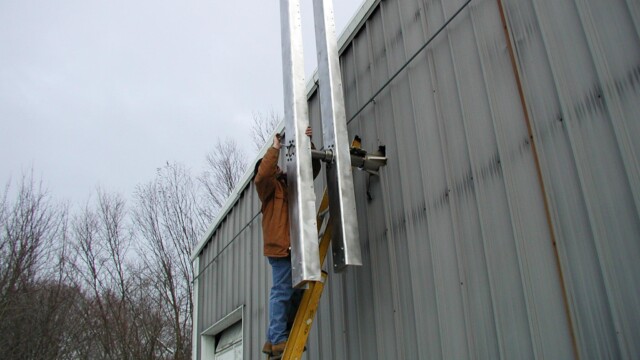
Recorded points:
(506, 224)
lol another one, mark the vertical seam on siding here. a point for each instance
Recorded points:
(431, 66)
(449, 182)
(462, 270)
(376, 305)
(486, 247)
(534, 148)
(410, 228)
(392, 253)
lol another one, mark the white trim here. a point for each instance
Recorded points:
(231, 318)
(207, 337)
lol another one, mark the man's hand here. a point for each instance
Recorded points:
(276, 142)
(276, 139)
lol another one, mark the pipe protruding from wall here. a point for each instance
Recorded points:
(361, 159)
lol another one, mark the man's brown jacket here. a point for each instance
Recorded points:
(275, 206)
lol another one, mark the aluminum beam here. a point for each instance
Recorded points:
(305, 256)
(342, 201)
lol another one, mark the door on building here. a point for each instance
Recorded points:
(229, 343)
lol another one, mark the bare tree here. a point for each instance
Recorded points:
(226, 164)
(35, 303)
(169, 221)
(263, 127)
(99, 253)
(70, 287)
(117, 320)
(27, 241)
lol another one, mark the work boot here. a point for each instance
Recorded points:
(277, 350)
(267, 348)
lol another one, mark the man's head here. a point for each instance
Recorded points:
(279, 172)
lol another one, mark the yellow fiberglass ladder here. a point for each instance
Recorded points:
(311, 297)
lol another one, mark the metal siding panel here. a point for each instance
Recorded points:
(447, 245)
(261, 300)
(401, 137)
(365, 282)
(223, 265)
(464, 191)
(242, 258)
(337, 298)
(386, 345)
(615, 50)
(221, 270)
(351, 311)
(523, 229)
(633, 7)
(426, 173)
(254, 282)
(349, 73)
(590, 166)
(209, 279)
(233, 259)
(487, 213)
(412, 22)
(517, 315)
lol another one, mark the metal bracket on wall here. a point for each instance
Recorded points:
(360, 158)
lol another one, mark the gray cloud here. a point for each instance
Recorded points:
(104, 92)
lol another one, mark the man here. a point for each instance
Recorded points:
(271, 185)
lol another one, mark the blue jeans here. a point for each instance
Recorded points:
(283, 300)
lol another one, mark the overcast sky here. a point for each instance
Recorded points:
(102, 93)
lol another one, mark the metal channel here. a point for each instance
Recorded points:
(342, 201)
(296, 147)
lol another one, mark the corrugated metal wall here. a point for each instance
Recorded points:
(233, 273)
(580, 64)
(500, 228)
